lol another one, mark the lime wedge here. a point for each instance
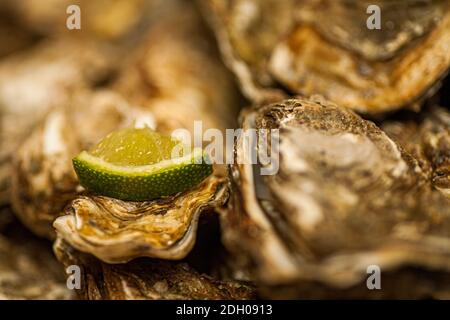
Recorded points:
(140, 164)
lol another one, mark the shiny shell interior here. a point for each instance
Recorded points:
(118, 231)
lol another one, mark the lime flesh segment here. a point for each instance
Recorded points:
(135, 147)
(139, 171)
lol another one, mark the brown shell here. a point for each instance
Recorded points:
(291, 51)
(427, 137)
(170, 85)
(102, 19)
(117, 231)
(345, 197)
(43, 180)
(34, 82)
(177, 74)
(146, 279)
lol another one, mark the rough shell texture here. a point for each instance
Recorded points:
(167, 86)
(345, 197)
(347, 23)
(147, 279)
(28, 269)
(117, 231)
(43, 180)
(247, 32)
(291, 50)
(49, 74)
(427, 137)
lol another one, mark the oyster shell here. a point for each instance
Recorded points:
(393, 67)
(247, 32)
(179, 82)
(36, 81)
(110, 20)
(14, 37)
(345, 197)
(177, 74)
(43, 180)
(171, 82)
(427, 137)
(146, 279)
(28, 269)
(6, 217)
(117, 231)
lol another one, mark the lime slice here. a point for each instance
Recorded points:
(140, 164)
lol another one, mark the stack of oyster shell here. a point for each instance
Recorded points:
(363, 175)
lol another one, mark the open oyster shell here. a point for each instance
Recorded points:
(307, 53)
(345, 197)
(161, 78)
(177, 75)
(146, 279)
(118, 231)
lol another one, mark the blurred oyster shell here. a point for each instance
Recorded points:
(117, 231)
(394, 285)
(394, 68)
(6, 217)
(146, 279)
(103, 19)
(344, 22)
(34, 82)
(247, 33)
(43, 180)
(28, 269)
(14, 37)
(177, 74)
(345, 197)
(427, 137)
